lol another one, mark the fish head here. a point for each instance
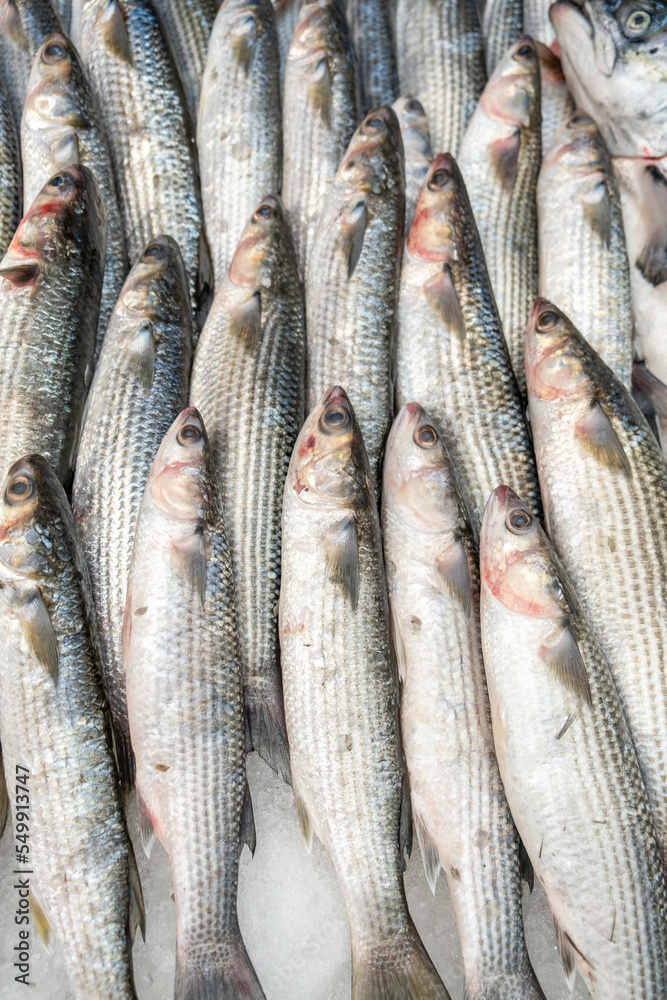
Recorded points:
(578, 144)
(157, 280)
(243, 22)
(555, 358)
(432, 236)
(313, 38)
(578, 150)
(370, 163)
(329, 466)
(179, 481)
(57, 88)
(33, 521)
(512, 95)
(260, 245)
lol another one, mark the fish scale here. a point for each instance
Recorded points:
(187, 25)
(375, 58)
(10, 173)
(24, 24)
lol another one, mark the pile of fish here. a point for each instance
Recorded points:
(332, 363)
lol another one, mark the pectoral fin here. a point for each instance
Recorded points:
(652, 262)
(146, 828)
(114, 32)
(560, 652)
(454, 570)
(35, 622)
(140, 348)
(320, 91)
(20, 274)
(505, 158)
(342, 557)
(245, 321)
(598, 215)
(429, 851)
(188, 558)
(442, 297)
(597, 435)
(41, 920)
(354, 231)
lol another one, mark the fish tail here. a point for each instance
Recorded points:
(401, 971)
(225, 973)
(267, 732)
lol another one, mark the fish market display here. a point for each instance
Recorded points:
(352, 280)
(417, 152)
(556, 101)
(187, 25)
(441, 62)
(500, 160)
(10, 173)
(61, 126)
(604, 484)
(84, 885)
(455, 785)
(24, 24)
(584, 265)
(185, 705)
(502, 25)
(372, 39)
(341, 698)
(568, 765)
(140, 386)
(239, 131)
(49, 297)
(319, 115)
(248, 383)
(452, 355)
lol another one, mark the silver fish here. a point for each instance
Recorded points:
(373, 42)
(502, 25)
(10, 173)
(417, 152)
(556, 101)
(187, 25)
(24, 24)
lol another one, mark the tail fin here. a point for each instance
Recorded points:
(267, 732)
(223, 973)
(401, 971)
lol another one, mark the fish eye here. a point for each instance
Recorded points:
(60, 180)
(414, 105)
(525, 51)
(579, 118)
(336, 418)
(374, 124)
(638, 22)
(265, 212)
(439, 179)
(426, 436)
(189, 434)
(519, 520)
(154, 251)
(547, 320)
(55, 52)
(21, 488)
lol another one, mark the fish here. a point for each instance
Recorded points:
(61, 125)
(440, 52)
(352, 280)
(455, 785)
(50, 284)
(556, 100)
(84, 886)
(139, 388)
(185, 705)
(320, 114)
(187, 25)
(451, 352)
(568, 765)
(502, 25)
(248, 384)
(63, 9)
(10, 173)
(604, 487)
(417, 151)
(613, 55)
(239, 130)
(341, 698)
(286, 14)
(374, 49)
(24, 24)
(583, 260)
(132, 73)
(500, 159)
(536, 21)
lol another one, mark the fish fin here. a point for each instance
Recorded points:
(244, 42)
(441, 295)
(604, 49)
(304, 822)
(597, 435)
(405, 818)
(598, 216)
(266, 729)
(4, 798)
(114, 32)
(248, 832)
(342, 557)
(569, 953)
(562, 656)
(320, 91)
(505, 158)
(41, 920)
(245, 321)
(227, 973)
(354, 231)
(20, 274)
(137, 913)
(399, 645)
(124, 754)
(454, 570)
(429, 851)
(13, 26)
(388, 976)
(526, 867)
(66, 150)
(35, 622)
(141, 350)
(188, 558)
(146, 828)
(650, 394)
(652, 262)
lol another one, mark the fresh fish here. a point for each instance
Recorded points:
(614, 57)
(604, 485)
(287, 14)
(557, 104)
(373, 42)
(132, 73)
(63, 9)
(187, 25)
(140, 386)
(319, 115)
(24, 24)
(10, 172)
(417, 152)
(452, 355)
(49, 294)
(455, 785)
(502, 25)
(248, 382)
(341, 699)
(84, 885)
(536, 21)
(441, 62)
(352, 280)
(185, 704)
(61, 125)
(568, 764)
(239, 133)
(583, 259)
(500, 160)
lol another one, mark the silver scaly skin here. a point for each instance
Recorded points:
(63, 9)
(10, 172)
(556, 101)
(61, 125)
(187, 25)
(500, 161)
(584, 265)
(341, 699)
(462, 819)
(24, 24)
(417, 152)
(84, 885)
(140, 386)
(536, 21)
(352, 280)
(441, 62)
(239, 131)
(132, 73)
(452, 354)
(568, 764)
(286, 14)
(502, 25)
(185, 703)
(319, 115)
(50, 284)
(604, 484)
(248, 383)
(374, 51)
